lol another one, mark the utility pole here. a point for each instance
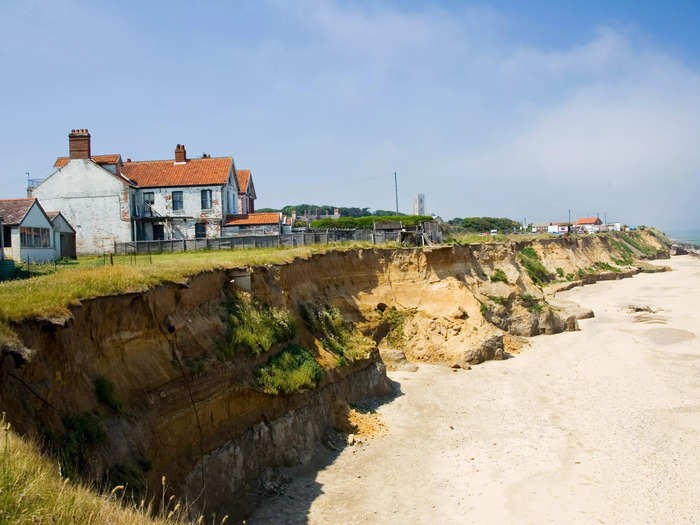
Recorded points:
(396, 193)
(569, 222)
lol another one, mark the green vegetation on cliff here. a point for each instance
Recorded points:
(336, 335)
(532, 263)
(485, 224)
(499, 276)
(254, 327)
(292, 370)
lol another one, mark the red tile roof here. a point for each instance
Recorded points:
(249, 219)
(98, 159)
(195, 172)
(588, 220)
(13, 211)
(243, 178)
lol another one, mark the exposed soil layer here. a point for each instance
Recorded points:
(202, 422)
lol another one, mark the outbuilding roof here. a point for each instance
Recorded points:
(97, 159)
(252, 219)
(588, 220)
(208, 171)
(13, 211)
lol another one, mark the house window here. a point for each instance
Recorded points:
(148, 201)
(7, 236)
(34, 237)
(177, 201)
(200, 229)
(206, 199)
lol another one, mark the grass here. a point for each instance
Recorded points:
(499, 276)
(254, 327)
(292, 370)
(104, 390)
(336, 335)
(483, 309)
(396, 320)
(635, 240)
(32, 491)
(606, 266)
(531, 303)
(530, 259)
(50, 296)
(499, 300)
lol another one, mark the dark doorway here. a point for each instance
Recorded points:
(158, 232)
(200, 230)
(68, 246)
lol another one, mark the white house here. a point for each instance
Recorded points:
(27, 231)
(108, 200)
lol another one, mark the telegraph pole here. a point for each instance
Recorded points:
(396, 193)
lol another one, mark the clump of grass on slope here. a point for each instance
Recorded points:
(32, 491)
(499, 276)
(396, 320)
(530, 259)
(254, 327)
(104, 390)
(336, 335)
(606, 266)
(626, 255)
(292, 370)
(531, 303)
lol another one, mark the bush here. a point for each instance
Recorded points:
(367, 223)
(606, 266)
(396, 320)
(104, 390)
(292, 370)
(82, 432)
(338, 337)
(560, 272)
(499, 276)
(254, 327)
(498, 300)
(531, 303)
(484, 309)
(570, 276)
(533, 266)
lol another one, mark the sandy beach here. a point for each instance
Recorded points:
(596, 426)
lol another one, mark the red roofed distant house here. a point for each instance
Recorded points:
(109, 200)
(588, 224)
(256, 224)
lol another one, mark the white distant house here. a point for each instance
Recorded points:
(558, 228)
(588, 225)
(108, 200)
(28, 234)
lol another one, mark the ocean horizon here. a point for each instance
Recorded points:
(689, 236)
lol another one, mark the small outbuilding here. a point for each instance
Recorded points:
(63, 236)
(27, 231)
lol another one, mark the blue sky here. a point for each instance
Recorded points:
(518, 109)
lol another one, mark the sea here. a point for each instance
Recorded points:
(688, 236)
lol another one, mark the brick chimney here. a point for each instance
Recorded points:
(79, 144)
(180, 153)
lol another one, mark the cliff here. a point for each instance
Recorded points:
(134, 386)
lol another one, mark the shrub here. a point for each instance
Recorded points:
(560, 272)
(396, 320)
(533, 266)
(82, 432)
(498, 300)
(484, 309)
(499, 276)
(338, 337)
(531, 303)
(254, 327)
(606, 266)
(570, 276)
(104, 390)
(292, 370)
(581, 272)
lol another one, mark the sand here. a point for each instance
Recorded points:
(596, 426)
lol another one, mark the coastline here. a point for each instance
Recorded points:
(543, 436)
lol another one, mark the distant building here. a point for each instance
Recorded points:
(540, 227)
(246, 192)
(27, 231)
(419, 204)
(558, 227)
(588, 225)
(256, 224)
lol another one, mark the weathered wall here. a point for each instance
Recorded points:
(93, 200)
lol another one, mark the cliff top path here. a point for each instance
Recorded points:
(596, 426)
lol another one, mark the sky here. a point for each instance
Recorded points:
(522, 109)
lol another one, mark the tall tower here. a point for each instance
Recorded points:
(419, 204)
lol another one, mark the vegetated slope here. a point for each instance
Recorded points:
(212, 381)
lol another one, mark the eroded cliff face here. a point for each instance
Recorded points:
(203, 422)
